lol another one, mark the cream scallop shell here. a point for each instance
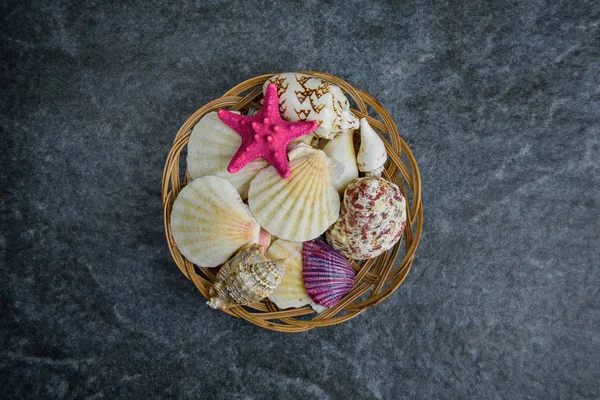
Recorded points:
(290, 292)
(303, 206)
(210, 149)
(210, 222)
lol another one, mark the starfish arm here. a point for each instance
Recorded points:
(240, 159)
(298, 129)
(233, 120)
(271, 103)
(279, 161)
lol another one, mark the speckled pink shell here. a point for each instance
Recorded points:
(326, 274)
(372, 219)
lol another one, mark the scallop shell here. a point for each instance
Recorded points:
(327, 275)
(246, 279)
(302, 206)
(290, 292)
(341, 148)
(373, 219)
(210, 222)
(372, 154)
(307, 98)
(210, 149)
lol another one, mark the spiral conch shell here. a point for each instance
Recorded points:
(372, 154)
(307, 98)
(210, 222)
(246, 279)
(290, 292)
(210, 149)
(372, 220)
(303, 206)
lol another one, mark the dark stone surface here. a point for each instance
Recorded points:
(500, 102)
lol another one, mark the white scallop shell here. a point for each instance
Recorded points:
(307, 98)
(341, 148)
(303, 206)
(210, 149)
(210, 222)
(372, 154)
(290, 292)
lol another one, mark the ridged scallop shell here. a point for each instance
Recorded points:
(373, 219)
(372, 154)
(301, 207)
(210, 149)
(210, 222)
(307, 98)
(341, 148)
(246, 279)
(290, 292)
(327, 275)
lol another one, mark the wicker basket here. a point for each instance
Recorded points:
(376, 278)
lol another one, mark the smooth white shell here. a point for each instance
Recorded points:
(210, 149)
(307, 98)
(210, 222)
(341, 148)
(290, 292)
(303, 206)
(372, 154)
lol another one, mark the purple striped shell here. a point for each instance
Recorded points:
(327, 275)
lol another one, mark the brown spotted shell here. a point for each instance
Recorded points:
(372, 219)
(247, 278)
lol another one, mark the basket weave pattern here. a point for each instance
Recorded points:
(376, 278)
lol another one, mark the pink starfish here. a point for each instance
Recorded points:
(265, 135)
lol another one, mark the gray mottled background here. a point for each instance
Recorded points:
(500, 102)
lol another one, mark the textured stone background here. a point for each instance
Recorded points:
(500, 102)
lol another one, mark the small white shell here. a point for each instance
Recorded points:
(210, 149)
(372, 154)
(303, 206)
(210, 222)
(307, 98)
(290, 292)
(341, 148)
(246, 279)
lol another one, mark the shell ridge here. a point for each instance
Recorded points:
(261, 190)
(302, 206)
(207, 231)
(277, 216)
(298, 187)
(270, 192)
(296, 209)
(327, 275)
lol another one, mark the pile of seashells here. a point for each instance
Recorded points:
(288, 239)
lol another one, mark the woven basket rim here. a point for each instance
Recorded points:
(376, 278)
